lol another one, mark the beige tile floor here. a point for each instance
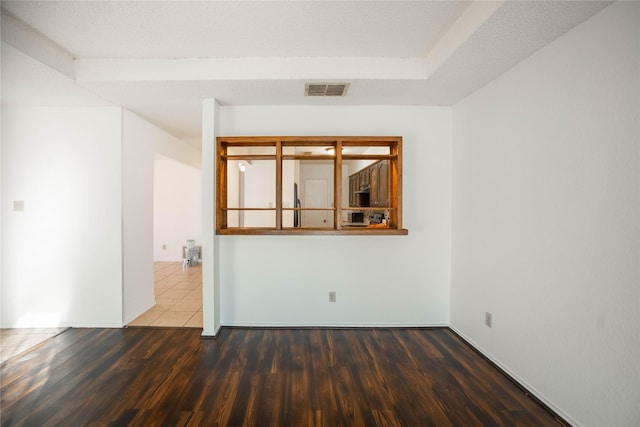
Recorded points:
(178, 293)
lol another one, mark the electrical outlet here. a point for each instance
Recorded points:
(332, 296)
(488, 319)
(18, 205)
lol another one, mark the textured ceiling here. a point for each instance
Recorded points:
(161, 58)
(177, 29)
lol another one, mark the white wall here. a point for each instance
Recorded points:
(546, 220)
(81, 253)
(177, 212)
(210, 241)
(169, 146)
(138, 137)
(61, 256)
(379, 280)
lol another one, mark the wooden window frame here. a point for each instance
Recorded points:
(394, 159)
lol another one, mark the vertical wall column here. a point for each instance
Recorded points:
(210, 242)
(137, 208)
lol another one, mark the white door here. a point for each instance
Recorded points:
(315, 196)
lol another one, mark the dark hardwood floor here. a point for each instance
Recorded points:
(260, 377)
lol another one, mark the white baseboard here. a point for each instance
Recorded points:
(138, 313)
(532, 390)
(331, 325)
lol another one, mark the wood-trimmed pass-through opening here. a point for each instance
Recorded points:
(309, 185)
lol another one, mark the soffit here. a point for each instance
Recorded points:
(159, 59)
(216, 29)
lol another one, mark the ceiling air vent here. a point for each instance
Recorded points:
(325, 89)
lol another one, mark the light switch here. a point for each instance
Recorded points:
(18, 205)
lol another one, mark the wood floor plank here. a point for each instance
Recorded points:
(261, 377)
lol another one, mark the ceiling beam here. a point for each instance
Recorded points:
(32, 43)
(467, 23)
(88, 70)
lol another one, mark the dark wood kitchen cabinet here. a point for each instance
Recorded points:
(354, 186)
(376, 185)
(379, 179)
(373, 177)
(380, 193)
(364, 179)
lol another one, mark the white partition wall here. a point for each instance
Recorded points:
(378, 280)
(210, 242)
(61, 217)
(546, 220)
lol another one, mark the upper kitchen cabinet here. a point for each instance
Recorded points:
(379, 173)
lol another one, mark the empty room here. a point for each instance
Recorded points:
(405, 213)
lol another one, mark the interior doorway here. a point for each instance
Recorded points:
(315, 196)
(177, 217)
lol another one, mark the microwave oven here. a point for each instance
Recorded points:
(356, 217)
